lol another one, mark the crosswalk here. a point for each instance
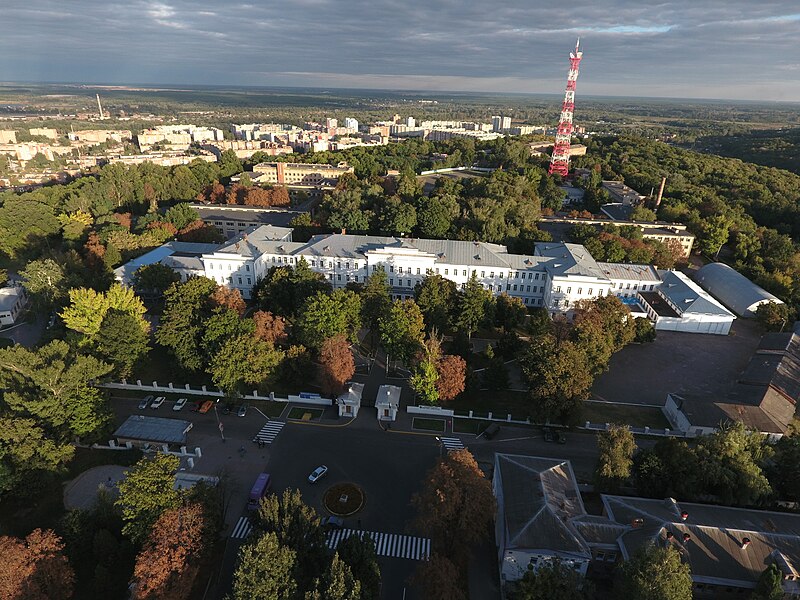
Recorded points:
(452, 444)
(393, 545)
(269, 432)
(242, 529)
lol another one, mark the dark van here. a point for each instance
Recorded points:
(491, 431)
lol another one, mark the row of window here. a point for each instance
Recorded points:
(628, 286)
(212, 266)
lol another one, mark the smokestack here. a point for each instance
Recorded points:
(99, 106)
(660, 192)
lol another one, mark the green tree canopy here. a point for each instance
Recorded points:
(88, 308)
(358, 553)
(551, 581)
(326, 315)
(153, 280)
(244, 360)
(436, 297)
(615, 460)
(265, 570)
(146, 492)
(474, 305)
(402, 330)
(121, 341)
(654, 573)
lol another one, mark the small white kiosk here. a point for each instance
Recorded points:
(350, 401)
(388, 402)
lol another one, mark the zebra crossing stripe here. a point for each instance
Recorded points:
(452, 444)
(242, 528)
(392, 545)
(269, 432)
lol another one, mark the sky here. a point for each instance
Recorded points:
(727, 49)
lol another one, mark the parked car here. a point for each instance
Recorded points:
(145, 402)
(229, 406)
(194, 406)
(561, 437)
(180, 404)
(491, 431)
(157, 402)
(206, 406)
(333, 522)
(548, 434)
(317, 474)
(242, 410)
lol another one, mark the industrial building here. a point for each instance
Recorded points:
(733, 289)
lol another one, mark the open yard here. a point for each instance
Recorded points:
(635, 416)
(428, 424)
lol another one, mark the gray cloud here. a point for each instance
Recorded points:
(714, 48)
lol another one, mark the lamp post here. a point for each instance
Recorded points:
(441, 445)
(219, 423)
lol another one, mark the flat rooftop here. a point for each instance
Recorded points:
(154, 429)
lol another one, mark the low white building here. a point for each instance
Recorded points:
(350, 401)
(12, 300)
(388, 402)
(679, 304)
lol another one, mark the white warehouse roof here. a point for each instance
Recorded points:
(733, 289)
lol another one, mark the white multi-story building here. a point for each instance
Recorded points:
(351, 123)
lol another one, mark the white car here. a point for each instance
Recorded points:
(157, 402)
(180, 404)
(318, 473)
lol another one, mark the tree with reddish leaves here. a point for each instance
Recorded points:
(169, 561)
(35, 568)
(337, 364)
(200, 232)
(236, 194)
(124, 219)
(439, 579)
(214, 193)
(456, 505)
(228, 298)
(452, 376)
(163, 225)
(95, 251)
(269, 327)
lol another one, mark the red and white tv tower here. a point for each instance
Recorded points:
(559, 163)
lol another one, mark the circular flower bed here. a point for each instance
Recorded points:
(344, 499)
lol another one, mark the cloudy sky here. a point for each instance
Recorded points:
(741, 49)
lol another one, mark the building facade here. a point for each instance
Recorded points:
(279, 173)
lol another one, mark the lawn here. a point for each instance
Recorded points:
(428, 424)
(299, 413)
(474, 426)
(498, 402)
(635, 416)
(271, 409)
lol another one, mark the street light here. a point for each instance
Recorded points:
(219, 423)
(441, 445)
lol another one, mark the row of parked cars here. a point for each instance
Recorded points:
(201, 407)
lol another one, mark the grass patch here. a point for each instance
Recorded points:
(299, 413)
(634, 416)
(500, 403)
(473, 426)
(428, 424)
(271, 409)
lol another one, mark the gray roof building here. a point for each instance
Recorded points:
(733, 289)
(179, 251)
(687, 298)
(155, 430)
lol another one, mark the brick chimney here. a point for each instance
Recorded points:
(344, 231)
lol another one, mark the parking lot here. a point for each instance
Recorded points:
(682, 363)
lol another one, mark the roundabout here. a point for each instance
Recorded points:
(344, 499)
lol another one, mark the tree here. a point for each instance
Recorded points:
(153, 280)
(654, 573)
(121, 341)
(337, 364)
(146, 492)
(551, 581)
(645, 331)
(269, 328)
(244, 360)
(439, 579)
(229, 298)
(402, 330)
(615, 460)
(397, 217)
(358, 553)
(423, 382)
(46, 281)
(474, 303)
(35, 568)
(284, 290)
(456, 505)
(337, 583)
(224, 325)
(88, 308)
(186, 308)
(435, 296)
(774, 316)
(265, 570)
(181, 215)
(324, 316)
(375, 299)
(435, 215)
(602, 327)
(54, 385)
(25, 447)
(169, 561)
(558, 377)
(714, 233)
(452, 375)
(297, 527)
(642, 213)
(770, 584)
(495, 375)
(510, 312)
(785, 475)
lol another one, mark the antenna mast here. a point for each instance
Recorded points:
(559, 163)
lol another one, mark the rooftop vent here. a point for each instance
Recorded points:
(684, 515)
(669, 536)
(745, 542)
(636, 523)
(686, 538)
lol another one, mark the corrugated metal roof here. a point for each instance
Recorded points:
(688, 296)
(733, 289)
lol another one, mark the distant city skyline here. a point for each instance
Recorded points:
(714, 49)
